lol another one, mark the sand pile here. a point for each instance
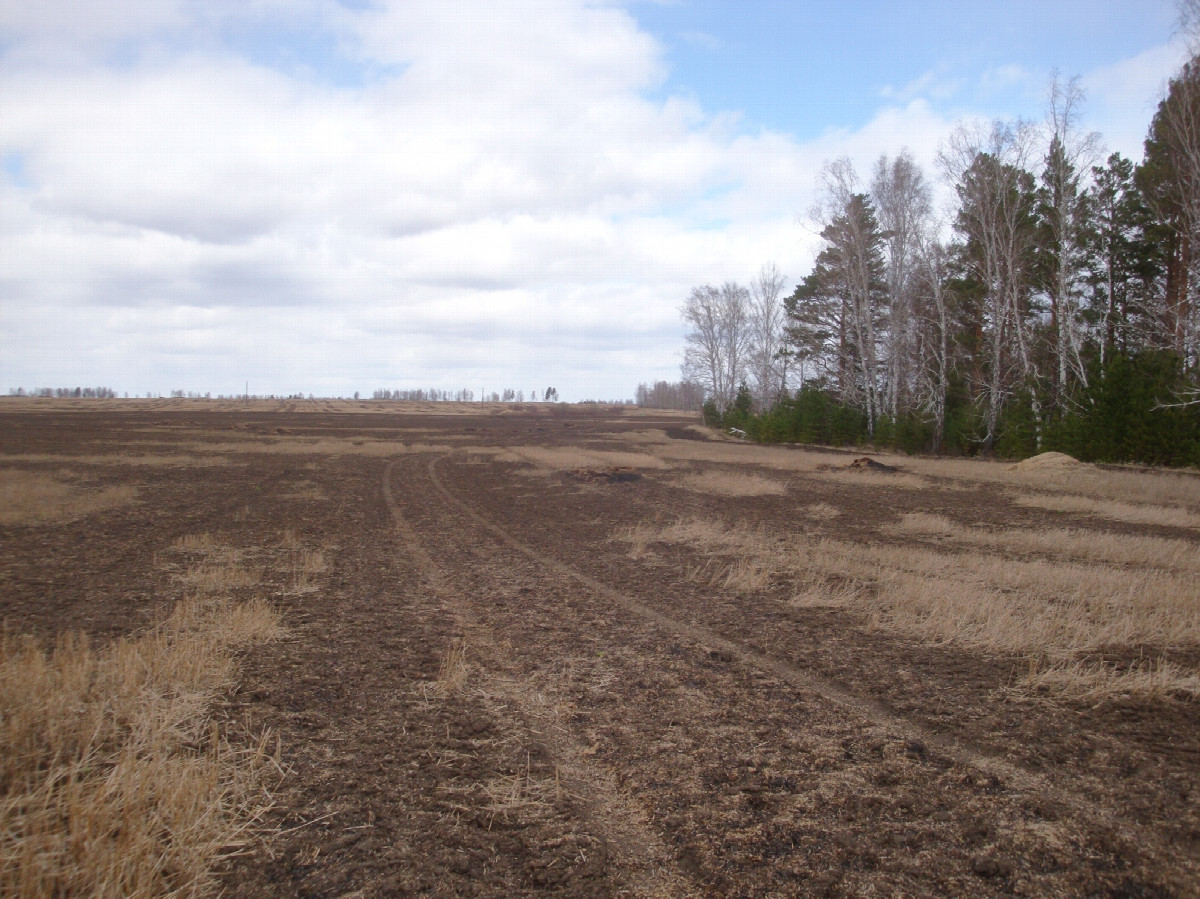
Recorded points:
(1049, 462)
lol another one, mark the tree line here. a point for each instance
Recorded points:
(1054, 306)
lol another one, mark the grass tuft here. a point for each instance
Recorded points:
(29, 498)
(114, 779)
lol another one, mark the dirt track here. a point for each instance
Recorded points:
(614, 726)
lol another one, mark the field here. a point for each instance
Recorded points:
(331, 648)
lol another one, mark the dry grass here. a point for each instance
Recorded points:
(452, 674)
(305, 491)
(820, 512)
(776, 458)
(29, 498)
(1133, 513)
(878, 480)
(546, 460)
(305, 565)
(221, 569)
(1179, 490)
(1062, 543)
(1046, 608)
(195, 543)
(176, 460)
(1093, 682)
(116, 782)
(329, 446)
(730, 483)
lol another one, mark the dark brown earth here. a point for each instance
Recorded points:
(615, 728)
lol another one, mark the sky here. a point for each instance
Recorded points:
(329, 196)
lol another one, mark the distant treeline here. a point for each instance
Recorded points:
(66, 392)
(434, 395)
(683, 396)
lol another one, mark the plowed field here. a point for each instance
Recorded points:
(589, 651)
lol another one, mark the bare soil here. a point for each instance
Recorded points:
(488, 695)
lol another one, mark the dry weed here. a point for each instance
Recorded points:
(729, 483)
(876, 480)
(115, 780)
(1133, 513)
(1052, 607)
(331, 446)
(1093, 682)
(177, 460)
(195, 543)
(221, 570)
(29, 498)
(452, 674)
(305, 565)
(1064, 543)
(546, 460)
(820, 512)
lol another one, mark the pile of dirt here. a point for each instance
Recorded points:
(868, 464)
(616, 475)
(1049, 462)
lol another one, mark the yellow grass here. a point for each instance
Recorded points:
(1066, 543)
(1093, 682)
(30, 498)
(221, 571)
(115, 781)
(881, 480)
(174, 460)
(731, 483)
(1154, 488)
(305, 564)
(1133, 513)
(331, 446)
(1053, 607)
(552, 459)
(452, 674)
(195, 543)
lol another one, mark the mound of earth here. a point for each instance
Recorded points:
(1048, 462)
(868, 464)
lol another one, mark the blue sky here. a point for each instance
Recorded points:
(323, 197)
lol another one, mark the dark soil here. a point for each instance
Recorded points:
(616, 727)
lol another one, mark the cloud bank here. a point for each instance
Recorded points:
(321, 197)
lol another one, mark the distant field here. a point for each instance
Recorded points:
(319, 647)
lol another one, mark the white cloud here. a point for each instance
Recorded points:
(1122, 98)
(506, 208)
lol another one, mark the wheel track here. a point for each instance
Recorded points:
(875, 713)
(637, 846)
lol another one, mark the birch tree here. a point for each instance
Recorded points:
(988, 168)
(1063, 208)
(718, 344)
(768, 362)
(935, 326)
(902, 201)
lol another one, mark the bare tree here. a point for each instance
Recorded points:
(902, 202)
(1070, 154)
(934, 329)
(1189, 23)
(718, 343)
(988, 168)
(767, 364)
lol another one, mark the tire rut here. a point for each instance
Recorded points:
(635, 847)
(876, 713)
